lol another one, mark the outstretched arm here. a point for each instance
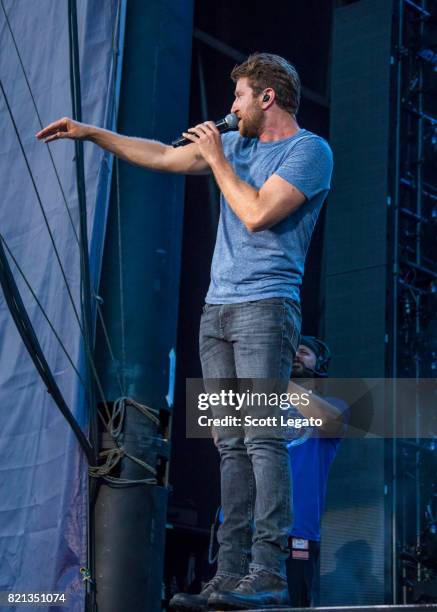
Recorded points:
(149, 154)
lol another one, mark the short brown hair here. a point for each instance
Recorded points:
(268, 70)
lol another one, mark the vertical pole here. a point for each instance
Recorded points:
(394, 300)
(85, 289)
(419, 228)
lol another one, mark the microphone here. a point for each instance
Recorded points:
(230, 122)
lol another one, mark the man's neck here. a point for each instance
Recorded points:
(279, 127)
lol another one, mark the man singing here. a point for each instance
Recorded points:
(274, 177)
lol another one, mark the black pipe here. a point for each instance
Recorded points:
(81, 192)
(85, 287)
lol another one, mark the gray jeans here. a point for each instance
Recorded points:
(252, 340)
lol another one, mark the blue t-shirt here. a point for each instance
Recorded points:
(256, 265)
(310, 460)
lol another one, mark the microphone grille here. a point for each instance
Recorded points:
(232, 121)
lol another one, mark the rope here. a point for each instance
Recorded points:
(113, 456)
(108, 342)
(119, 412)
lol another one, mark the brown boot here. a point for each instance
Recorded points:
(196, 603)
(258, 589)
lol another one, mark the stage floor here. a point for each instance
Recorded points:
(381, 608)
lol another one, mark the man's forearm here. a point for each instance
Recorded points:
(138, 151)
(318, 408)
(241, 197)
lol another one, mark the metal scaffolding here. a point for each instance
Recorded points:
(412, 316)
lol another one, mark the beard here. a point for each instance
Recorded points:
(299, 370)
(252, 123)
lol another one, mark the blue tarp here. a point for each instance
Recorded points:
(43, 483)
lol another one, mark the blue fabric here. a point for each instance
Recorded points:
(310, 463)
(250, 266)
(43, 484)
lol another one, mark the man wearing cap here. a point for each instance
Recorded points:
(311, 456)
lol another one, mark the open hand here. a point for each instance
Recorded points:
(63, 128)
